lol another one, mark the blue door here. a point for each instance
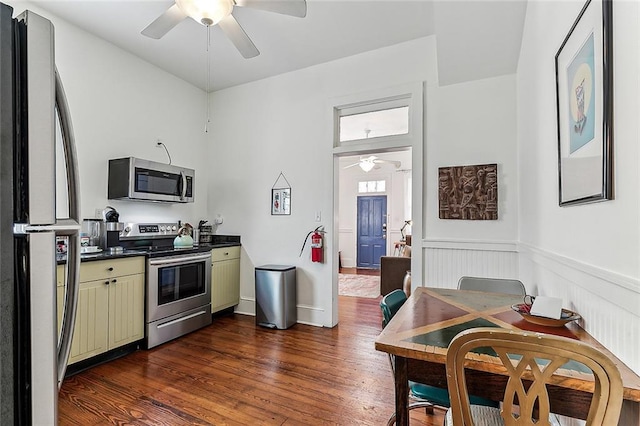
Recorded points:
(372, 230)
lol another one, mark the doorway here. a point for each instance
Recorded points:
(384, 193)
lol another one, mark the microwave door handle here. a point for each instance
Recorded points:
(73, 252)
(183, 192)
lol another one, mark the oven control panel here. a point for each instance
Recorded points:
(149, 230)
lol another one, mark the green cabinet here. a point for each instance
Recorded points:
(225, 278)
(110, 306)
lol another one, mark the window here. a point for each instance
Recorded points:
(378, 119)
(365, 125)
(372, 186)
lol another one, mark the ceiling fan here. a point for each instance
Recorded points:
(368, 163)
(212, 12)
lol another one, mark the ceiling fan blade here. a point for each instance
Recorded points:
(352, 165)
(238, 37)
(394, 162)
(164, 23)
(296, 8)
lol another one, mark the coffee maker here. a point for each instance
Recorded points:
(111, 229)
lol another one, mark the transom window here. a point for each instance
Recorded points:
(372, 186)
(376, 119)
(387, 122)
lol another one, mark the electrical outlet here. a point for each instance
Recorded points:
(318, 216)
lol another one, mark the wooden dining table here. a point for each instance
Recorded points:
(419, 334)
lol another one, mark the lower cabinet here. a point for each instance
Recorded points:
(225, 278)
(110, 306)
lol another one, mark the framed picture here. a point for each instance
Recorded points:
(584, 96)
(280, 201)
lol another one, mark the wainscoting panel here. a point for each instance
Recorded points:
(445, 261)
(609, 303)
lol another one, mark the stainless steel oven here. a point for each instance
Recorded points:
(178, 295)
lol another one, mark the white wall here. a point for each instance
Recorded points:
(396, 200)
(471, 123)
(120, 105)
(589, 255)
(280, 124)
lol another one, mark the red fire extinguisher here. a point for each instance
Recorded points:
(317, 250)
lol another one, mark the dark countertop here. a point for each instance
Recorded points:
(104, 255)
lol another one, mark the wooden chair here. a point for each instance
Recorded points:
(421, 396)
(494, 285)
(520, 355)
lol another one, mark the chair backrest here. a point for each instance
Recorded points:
(494, 285)
(524, 356)
(390, 305)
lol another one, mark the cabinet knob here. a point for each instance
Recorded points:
(226, 253)
(114, 280)
(106, 282)
(110, 269)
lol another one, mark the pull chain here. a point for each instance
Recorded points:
(206, 125)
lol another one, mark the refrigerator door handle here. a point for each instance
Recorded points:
(61, 227)
(73, 251)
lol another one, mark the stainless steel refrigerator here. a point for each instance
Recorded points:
(33, 109)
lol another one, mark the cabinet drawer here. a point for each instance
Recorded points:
(225, 253)
(96, 270)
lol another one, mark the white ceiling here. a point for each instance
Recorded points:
(476, 38)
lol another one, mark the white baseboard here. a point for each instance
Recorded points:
(309, 315)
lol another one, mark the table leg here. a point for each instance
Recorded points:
(630, 414)
(402, 391)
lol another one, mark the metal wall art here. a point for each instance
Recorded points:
(468, 192)
(584, 97)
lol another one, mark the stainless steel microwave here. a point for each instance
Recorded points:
(143, 180)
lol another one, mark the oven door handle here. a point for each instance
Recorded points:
(179, 260)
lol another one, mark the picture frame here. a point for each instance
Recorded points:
(584, 101)
(281, 201)
(281, 196)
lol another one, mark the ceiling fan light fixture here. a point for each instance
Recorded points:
(206, 12)
(366, 165)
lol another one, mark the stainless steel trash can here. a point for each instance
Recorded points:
(276, 296)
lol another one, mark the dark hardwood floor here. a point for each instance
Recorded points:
(234, 373)
(360, 271)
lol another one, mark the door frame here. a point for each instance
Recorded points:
(416, 92)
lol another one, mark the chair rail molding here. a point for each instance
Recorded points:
(465, 244)
(550, 259)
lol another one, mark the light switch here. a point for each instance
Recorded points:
(318, 216)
